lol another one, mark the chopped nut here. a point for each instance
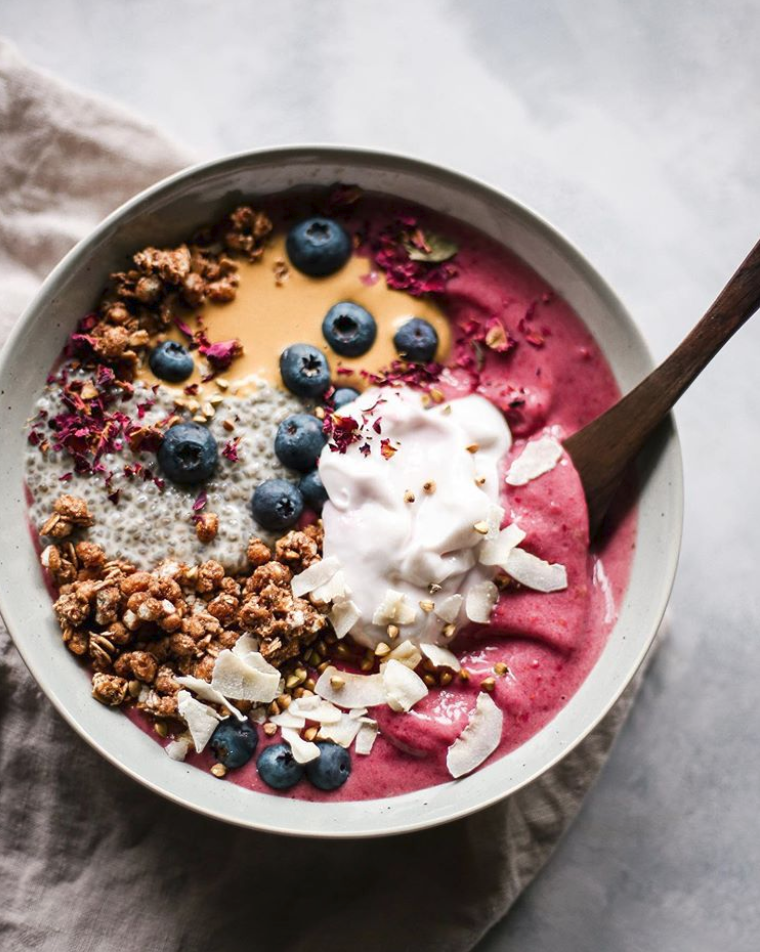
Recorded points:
(382, 650)
(222, 383)
(481, 527)
(437, 395)
(270, 729)
(434, 588)
(409, 496)
(480, 480)
(488, 684)
(310, 733)
(429, 679)
(337, 682)
(501, 669)
(427, 606)
(219, 771)
(161, 729)
(473, 447)
(392, 631)
(429, 487)
(448, 630)
(464, 674)
(228, 425)
(445, 677)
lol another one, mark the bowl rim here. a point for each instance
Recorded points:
(404, 162)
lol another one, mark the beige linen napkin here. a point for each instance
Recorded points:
(91, 861)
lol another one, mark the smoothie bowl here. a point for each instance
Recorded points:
(285, 485)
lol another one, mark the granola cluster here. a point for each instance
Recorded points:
(140, 629)
(145, 299)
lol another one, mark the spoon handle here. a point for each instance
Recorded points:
(602, 450)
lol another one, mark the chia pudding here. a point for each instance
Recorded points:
(153, 520)
(302, 500)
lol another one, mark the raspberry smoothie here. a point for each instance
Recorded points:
(375, 573)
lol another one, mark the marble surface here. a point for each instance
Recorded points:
(634, 128)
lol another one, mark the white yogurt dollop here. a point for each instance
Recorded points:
(426, 550)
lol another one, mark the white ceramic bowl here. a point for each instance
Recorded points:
(169, 211)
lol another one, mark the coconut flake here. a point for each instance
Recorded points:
(365, 739)
(179, 748)
(319, 573)
(534, 573)
(286, 719)
(394, 610)
(204, 690)
(494, 517)
(245, 645)
(407, 653)
(448, 610)
(538, 457)
(403, 687)
(478, 740)
(357, 712)
(480, 601)
(303, 750)
(247, 678)
(334, 589)
(357, 690)
(344, 616)
(496, 551)
(343, 732)
(201, 719)
(441, 657)
(315, 709)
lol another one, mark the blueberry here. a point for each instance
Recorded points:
(276, 504)
(171, 361)
(318, 246)
(234, 742)
(305, 371)
(344, 395)
(349, 329)
(299, 441)
(313, 492)
(188, 453)
(416, 340)
(277, 768)
(331, 769)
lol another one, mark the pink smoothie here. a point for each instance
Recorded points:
(554, 377)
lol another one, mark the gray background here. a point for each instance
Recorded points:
(634, 127)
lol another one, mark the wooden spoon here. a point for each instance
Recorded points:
(603, 449)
